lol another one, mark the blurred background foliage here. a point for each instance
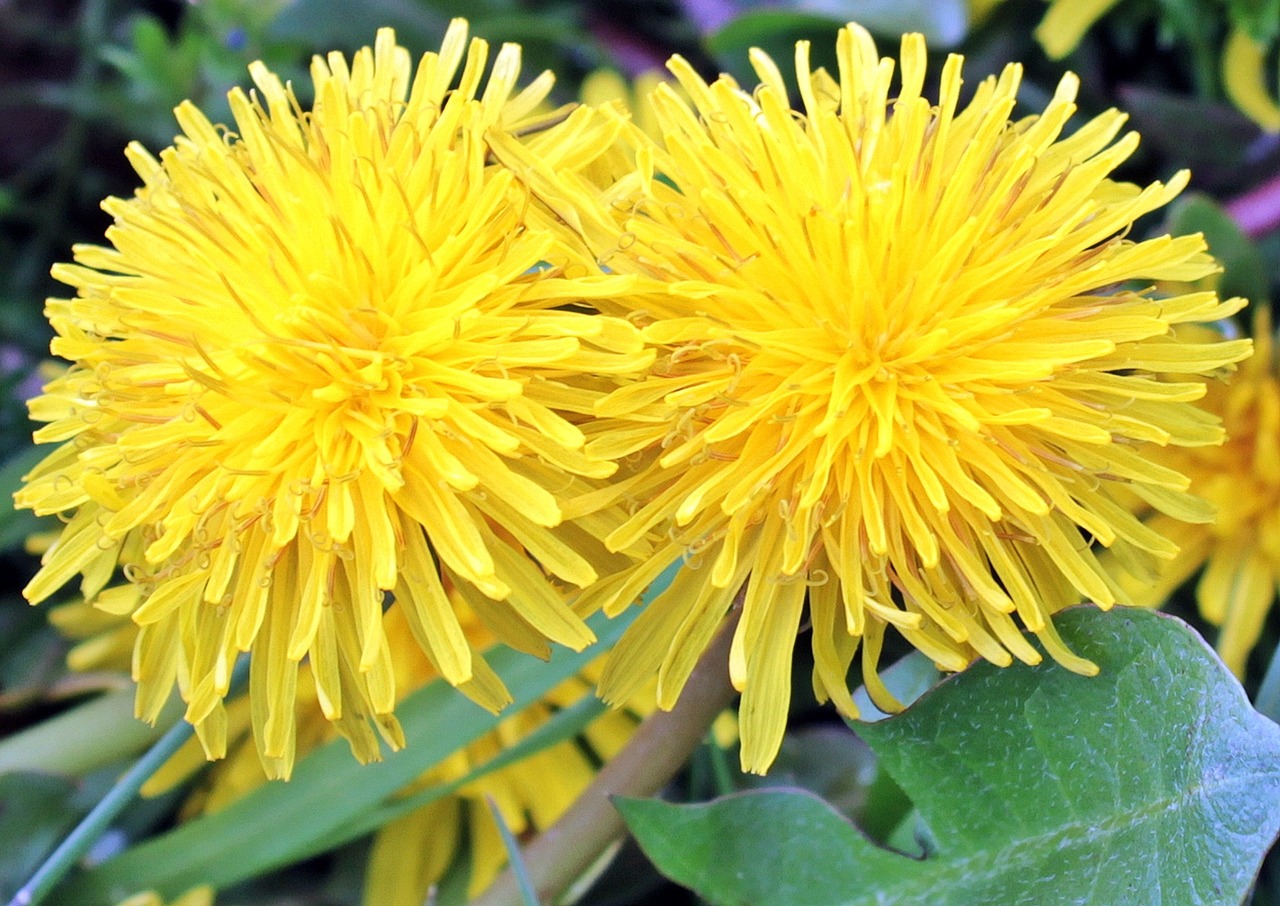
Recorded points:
(81, 78)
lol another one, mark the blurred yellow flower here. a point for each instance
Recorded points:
(1063, 25)
(1244, 77)
(1066, 22)
(198, 896)
(604, 86)
(897, 377)
(329, 357)
(1240, 549)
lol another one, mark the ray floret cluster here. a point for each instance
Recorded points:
(906, 365)
(327, 359)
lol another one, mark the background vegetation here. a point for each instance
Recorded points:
(80, 78)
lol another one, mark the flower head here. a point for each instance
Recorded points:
(1240, 480)
(901, 376)
(329, 357)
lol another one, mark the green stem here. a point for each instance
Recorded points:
(662, 744)
(523, 882)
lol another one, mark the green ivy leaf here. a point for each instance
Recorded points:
(1154, 782)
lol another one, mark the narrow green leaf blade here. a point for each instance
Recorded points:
(1152, 783)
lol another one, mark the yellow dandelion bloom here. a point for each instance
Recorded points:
(330, 357)
(413, 852)
(1240, 549)
(900, 377)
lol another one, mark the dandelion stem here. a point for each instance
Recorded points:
(663, 743)
(87, 832)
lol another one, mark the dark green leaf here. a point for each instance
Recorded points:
(107, 720)
(777, 30)
(36, 811)
(347, 24)
(16, 525)
(1260, 18)
(1152, 783)
(1244, 273)
(1211, 138)
(31, 658)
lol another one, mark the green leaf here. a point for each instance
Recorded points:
(562, 726)
(1260, 18)
(16, 525)
(528, 896)
(776, 31)
(347, 24)
(36, 811)
(1152, 783)
(1244, 272)
(280, 822)
(1210, 138)
(833, 763)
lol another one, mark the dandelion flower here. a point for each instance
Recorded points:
(327, 358)
(1066, 23)
(901, 375)
(1240, 549)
